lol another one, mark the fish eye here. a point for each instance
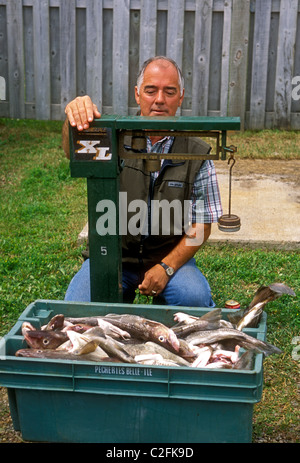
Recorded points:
(161, 338)
(45, 341)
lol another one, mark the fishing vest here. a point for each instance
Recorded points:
(153, 230)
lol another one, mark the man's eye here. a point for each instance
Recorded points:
(171, 92)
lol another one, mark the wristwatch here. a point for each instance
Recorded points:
(169, 270)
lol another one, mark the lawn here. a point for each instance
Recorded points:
(43, 209)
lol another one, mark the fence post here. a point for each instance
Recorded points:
(67, 53)
(260, 64)
(239, 59)
(16, 75)
(285, 62)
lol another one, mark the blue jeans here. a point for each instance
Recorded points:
(187, 287)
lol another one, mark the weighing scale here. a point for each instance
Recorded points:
(97, 153)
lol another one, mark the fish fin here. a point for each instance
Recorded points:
(213, 315)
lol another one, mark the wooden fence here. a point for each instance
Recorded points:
(238, 57)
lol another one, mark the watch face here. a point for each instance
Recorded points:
(169, 271)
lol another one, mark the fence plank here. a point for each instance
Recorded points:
(238, 59)
(15, 58)
(120, 56)
(175, 29)
(203, 21)
(285, 57)
(225, 57)
(94, 43)
(41, 44)
(260, 64)
(3, 59)
(29, 60)
(148, 26)
(67, 52)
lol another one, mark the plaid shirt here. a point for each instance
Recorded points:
(205, 187)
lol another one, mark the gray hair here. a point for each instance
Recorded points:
(140, 77)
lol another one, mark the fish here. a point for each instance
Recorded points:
(27, 326)
(154, 359)
(203, 356)
(251, 317)
(241, 338)
(112, 330)
(245, 361)
(145, 329)
(206, 341)
(197, 325)
(55, 354)
(56, 323)
(263, 295)
(42, 339)
(89, 322)
(149, 347)
(183, 318)
(94, 340)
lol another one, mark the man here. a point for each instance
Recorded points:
(161, 266)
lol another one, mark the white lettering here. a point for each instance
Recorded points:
(2, 348)
(124, 453)
(161, 219)
(138, 224)
(166, 207)
(296, 90)
(88, 146)
(101, 154)
(106, 224)
(2, 88)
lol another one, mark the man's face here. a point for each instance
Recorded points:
(160, 92)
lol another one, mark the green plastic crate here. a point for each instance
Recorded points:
(76, 401)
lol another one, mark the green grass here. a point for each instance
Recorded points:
(266, 144)
(42, 211)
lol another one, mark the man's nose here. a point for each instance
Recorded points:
(160, 97)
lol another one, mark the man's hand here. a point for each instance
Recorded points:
(81, 111)
(155, 280)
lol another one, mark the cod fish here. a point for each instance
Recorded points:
(92, 340)
(56, 323)
(241, 338)
(42, 339)
(188, 324)
(55, 354)
(145, 329)
(263, 295)
(151, 348)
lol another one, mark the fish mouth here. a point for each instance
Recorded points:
(174, 341)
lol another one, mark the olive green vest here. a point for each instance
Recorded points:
(175, 182)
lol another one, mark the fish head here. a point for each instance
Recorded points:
(56, 322)
(40, 339)
(36, 353)
(26, 326)
(166, 337)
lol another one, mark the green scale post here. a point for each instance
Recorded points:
(96, 154)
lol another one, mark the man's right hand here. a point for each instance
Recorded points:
(81, 111)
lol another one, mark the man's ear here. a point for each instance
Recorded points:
(181, 98)
(137, 96)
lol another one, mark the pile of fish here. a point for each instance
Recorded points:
(202, 342)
